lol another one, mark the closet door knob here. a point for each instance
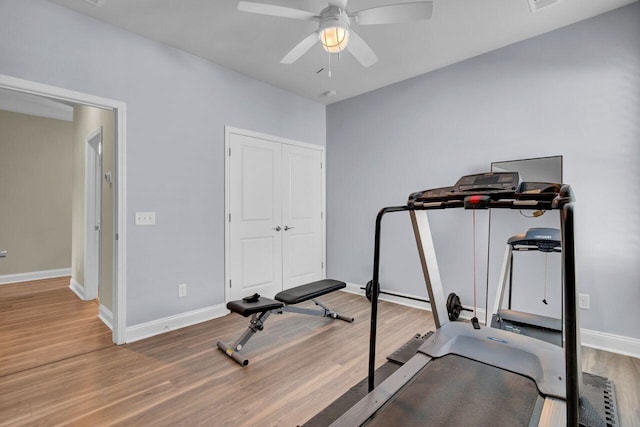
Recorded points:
(278, 228)
(286, 227)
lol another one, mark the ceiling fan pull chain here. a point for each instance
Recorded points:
(329, 65)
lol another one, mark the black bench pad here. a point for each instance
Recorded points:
(249, 308)
(309, 291)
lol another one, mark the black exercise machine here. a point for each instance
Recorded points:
(260, 308)
(467, 375)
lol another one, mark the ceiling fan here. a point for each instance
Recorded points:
(334, 25)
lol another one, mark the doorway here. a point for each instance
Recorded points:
(274, 219)
(118, 233)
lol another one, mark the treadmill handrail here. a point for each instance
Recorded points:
(573, 360)
(375, 290)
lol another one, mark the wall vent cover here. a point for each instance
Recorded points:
(535, 5)
(96, 3)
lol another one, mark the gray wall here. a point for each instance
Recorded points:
(575, 92)
(177, 106)
(36, 172)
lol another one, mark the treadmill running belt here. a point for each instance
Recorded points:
(453, 390)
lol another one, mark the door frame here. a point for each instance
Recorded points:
(120, 238)
(228, 131)
(92, 210)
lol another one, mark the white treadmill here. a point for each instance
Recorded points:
(545, 328)
(467, 376)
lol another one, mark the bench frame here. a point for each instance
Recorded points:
(256, 324)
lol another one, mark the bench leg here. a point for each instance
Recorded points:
(256, 324)
(325, 312)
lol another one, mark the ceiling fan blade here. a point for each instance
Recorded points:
(301, 48)
(395, 13)
(273, 10)
(342, 4)
(360, 50)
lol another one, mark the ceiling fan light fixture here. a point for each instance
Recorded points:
(334, 39)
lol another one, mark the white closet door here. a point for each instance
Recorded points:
(256, 212)
(301, 216)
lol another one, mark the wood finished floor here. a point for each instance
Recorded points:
(298, 365)
(42, 321)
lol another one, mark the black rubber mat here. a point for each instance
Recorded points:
(350, 398)
(409, 349)
(598, 405)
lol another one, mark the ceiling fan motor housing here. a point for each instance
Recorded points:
(333, 16)
(333, 30)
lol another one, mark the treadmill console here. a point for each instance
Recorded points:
(484, 183)
(541, 239)
(488, 182)
(480, 191)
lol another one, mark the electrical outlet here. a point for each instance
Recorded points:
(145, 218)
(584, 301)
(182, 290)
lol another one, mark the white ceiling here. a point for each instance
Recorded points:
(254, 45)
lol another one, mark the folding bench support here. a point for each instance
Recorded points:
(325, 312)
(256, 324)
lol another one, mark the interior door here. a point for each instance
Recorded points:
(302, 244)
(255, 208)
(93, 214)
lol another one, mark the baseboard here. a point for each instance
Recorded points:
(601, 340)
(170, 323)
(77, 288)
(610, 342)
(352, 288)
(355, 289)
(106, 316)
(34, 275)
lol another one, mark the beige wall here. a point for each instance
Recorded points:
(86, 120)
(36, 171)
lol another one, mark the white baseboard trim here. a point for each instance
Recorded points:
(352, 288)
(610, 342)
(77, 288)
(355, 289)
(34, 275)
(600, 340)
(170, 323)
(106, 316)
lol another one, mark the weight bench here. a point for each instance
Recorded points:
(260, 308)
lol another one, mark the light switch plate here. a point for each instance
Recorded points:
(145, 218)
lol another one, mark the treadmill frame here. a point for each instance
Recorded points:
(564, 202)
(506, 277)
